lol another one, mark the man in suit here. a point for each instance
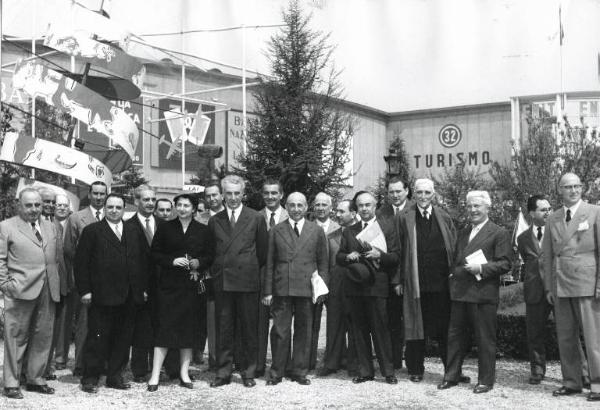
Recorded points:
(29, 258)
(571, 276)
(111, 277)
(398, 201)
(474, 290)
(367, 288)
(48, 203)
(144, 224)
(240, 237)
(297, 249)
(322, 206)
(338, 313)
(274, 213)
(428, 239)
(163, 209)
(77, 221)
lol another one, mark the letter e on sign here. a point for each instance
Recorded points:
(450, 136)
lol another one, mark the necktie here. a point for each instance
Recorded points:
(37, 233)
(365, 225)
(426, 215)
(296, 229)
(272, 220)
(395, 210)
(148, 231)
(97, 215)
(49, 218)
(232, 220)
(539, 234)
(117, 232)
(568, 218)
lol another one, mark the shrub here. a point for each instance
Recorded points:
(511, 340)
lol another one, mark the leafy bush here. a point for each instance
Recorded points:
(511, 340)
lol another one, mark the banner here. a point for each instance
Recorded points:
(32, 183)
(78, 101)
(42, 154)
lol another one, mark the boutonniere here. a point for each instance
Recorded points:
(583, 226)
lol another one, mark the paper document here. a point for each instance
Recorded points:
(318, 285)
(373, 235)
(477, 257)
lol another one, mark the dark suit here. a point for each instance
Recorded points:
(291, 261)
(474, 303)
(240, 254)
(115, 273)
(368, 304)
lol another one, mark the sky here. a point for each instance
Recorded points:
(395, 55)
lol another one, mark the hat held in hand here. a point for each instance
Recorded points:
(360, 273)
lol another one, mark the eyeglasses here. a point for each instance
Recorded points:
(571, 187)
(62, 205)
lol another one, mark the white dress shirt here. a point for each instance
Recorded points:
(324, 225)
(116, 226)
(475, 230)
(300, 224)
(94, 210)
(151, 221)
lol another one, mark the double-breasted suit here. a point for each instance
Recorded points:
(571, 272)
(114, 271)
(291, 261)
(264, 312)
(30, 282)
(368, 304)
(240, 254)
(474, 302)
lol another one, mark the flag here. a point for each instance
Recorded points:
(521, 226)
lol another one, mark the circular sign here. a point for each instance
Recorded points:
(450, 136)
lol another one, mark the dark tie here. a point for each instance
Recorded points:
(539, 234)
(232, 220)
(426, 215)
(272, 220)
(296, 229)
(568, 218)
(364, 225)
(37, 233)
(49, 218)
(97, 215)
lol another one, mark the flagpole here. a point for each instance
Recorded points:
(244, 89)
(183, 133)
(33, 22)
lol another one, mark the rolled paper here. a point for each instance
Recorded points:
(38, 153)
(78, 101)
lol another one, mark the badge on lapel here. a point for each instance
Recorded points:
(583, 226)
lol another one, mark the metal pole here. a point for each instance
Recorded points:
(33, 22)
(183, 136)
(244, 89)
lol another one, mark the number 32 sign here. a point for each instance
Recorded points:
(450, 135)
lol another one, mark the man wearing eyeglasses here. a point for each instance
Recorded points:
(571, 276)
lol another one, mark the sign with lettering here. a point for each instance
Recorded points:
(579, 112)
(235, 138)
(450, 136)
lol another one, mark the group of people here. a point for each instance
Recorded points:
(154, 289)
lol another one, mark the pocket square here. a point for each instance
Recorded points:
(583, 226)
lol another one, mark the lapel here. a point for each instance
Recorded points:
(27, 230)
(288, 235)
(531, 239)
(462, 244)
(569, 230)
(138, 225)
(478, 238)
(88, 216)
(333, 226)
(110, 236)
(305, 234)
(411, 225)
(240, 223)
(223, 221)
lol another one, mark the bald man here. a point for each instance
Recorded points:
(297, 249)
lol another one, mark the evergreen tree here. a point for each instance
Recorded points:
(302, 136)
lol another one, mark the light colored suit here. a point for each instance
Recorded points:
(571, 272)
(30, 282)
(78, 221)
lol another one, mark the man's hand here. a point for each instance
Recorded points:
(372, 253)
(353, 256)
(550, 298)
(181, 262)
(321, 299)
(194, 264)
(267, 300)
(473, 268)
(399, 289)
(86, 299)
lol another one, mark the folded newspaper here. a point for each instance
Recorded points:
(373, 235)
(319, 288)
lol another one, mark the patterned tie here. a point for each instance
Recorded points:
(296, 229)
(232, 219)
(97, 215)
(364, 225)
(272, 220)
(539, 234)
(36, 232)
(148, 231)
(568, 218)
(118, 232)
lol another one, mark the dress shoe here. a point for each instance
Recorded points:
(50, 377)
(89, 388)
(464, 379)
(416, 378)
(586, 384)
(187, 385)
(593, 396)
(446, 385)
(565, 391)
(39, 388)
(324, 372)
(12, 393)
(302, 380)
(273, 382)
(391, 380)
(536, 379)
(60, 366)
(362, 379)
(119, 385)
(139, 379)
(77, 372)
(218, 382)
(152, 387)
(249, 382)
(482, 388)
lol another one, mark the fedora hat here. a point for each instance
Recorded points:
(360, 273)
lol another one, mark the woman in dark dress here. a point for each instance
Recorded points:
(181, 248)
